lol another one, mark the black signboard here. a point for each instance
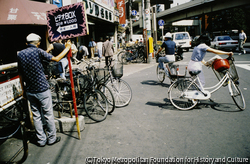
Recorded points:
(67, 22)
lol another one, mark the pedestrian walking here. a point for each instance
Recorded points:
(107, 50)
(35, 87)
(99, 48)
(57, 47)
(242, 41)
(92, 45)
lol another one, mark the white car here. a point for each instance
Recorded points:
(224, 42)
(182, 39)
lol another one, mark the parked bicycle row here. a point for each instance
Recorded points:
(132, 54)
(98, 90)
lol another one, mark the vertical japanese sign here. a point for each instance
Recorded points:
(67, 22)
(121, 8)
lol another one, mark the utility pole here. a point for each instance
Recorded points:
(148, 21)
(154, 25)
(130, 20)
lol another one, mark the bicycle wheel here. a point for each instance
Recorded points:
(237, 96)
(96, 105)
(119, 55)
(160, 74)
(140, 58)
(12, 113)
(54, 91)
(177, 97)
(121, 91)
(109, 95)
(124, 58)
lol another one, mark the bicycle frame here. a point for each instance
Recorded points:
(217, 86)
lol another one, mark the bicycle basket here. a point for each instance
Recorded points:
(221, 64)
(101, 73)
(220, 75)
(232, 69)
(84, 82)
(117, 70)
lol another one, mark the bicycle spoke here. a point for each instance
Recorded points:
(177, 94)
(121, 92)
(96, 106)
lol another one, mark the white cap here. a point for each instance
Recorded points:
(168, 35)
(33, 37)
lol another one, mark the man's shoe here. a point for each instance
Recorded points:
(58, 139)
(39, 145)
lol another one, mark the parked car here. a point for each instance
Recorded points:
(194, 41)
(224, 42)
(182, 39)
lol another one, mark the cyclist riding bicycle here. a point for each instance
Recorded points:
(197, 58)
(169, 46)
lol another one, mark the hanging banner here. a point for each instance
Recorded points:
(67, 22)
(122, 14)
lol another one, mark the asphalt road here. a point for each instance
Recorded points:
(151, 129)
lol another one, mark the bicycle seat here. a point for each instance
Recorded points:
(194, 73)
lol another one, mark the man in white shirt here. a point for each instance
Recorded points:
(242, 40)
(99, 48)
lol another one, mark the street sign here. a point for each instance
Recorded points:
(134, 12)
(67, 22)
(161, 22)
(161, 27)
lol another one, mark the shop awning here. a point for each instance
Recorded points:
(23, 12)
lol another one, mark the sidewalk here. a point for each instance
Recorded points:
(128, 69)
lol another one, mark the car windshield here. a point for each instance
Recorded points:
(181, 36)
(221, 38)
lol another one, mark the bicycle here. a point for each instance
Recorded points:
(170, 70)
(184, 94)
(93, 100)
(120, 89)
(132, 54)
(101, 86)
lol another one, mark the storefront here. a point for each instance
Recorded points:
(103, 21)
(18, 19)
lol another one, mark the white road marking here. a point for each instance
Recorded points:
(245, 66)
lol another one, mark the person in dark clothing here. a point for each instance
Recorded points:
(56, 48)
(169, 46)
(35, 87)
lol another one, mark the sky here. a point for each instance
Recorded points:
(178, 2)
